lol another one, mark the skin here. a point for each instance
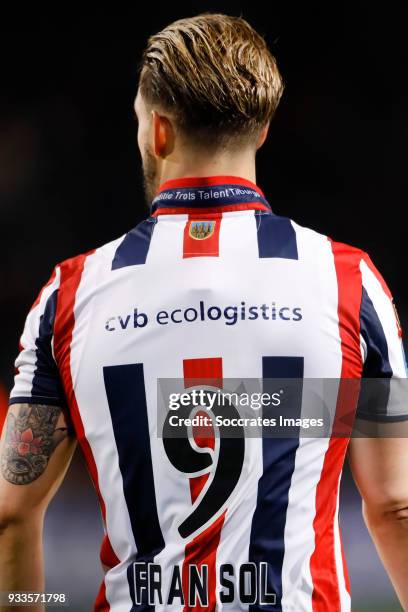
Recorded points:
(33, 465)
(380, 467)
(166, 155)
(36, 448)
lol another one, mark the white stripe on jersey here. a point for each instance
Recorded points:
(167, 241)
(344, 594)
(240, 251)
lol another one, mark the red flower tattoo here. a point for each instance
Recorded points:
(24, 442)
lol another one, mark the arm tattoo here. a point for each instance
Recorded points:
(31, 438)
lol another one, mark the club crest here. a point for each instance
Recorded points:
(200, 230)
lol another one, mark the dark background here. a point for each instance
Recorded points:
(70, 174)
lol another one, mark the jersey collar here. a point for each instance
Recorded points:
(208, 194)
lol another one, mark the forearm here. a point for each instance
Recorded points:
(389, 531)
(36, 449)
(21, 560)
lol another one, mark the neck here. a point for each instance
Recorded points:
(242, 165)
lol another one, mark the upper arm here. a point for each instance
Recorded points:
(36, 448)
(380, 467)
(378, 451)
(37, 441)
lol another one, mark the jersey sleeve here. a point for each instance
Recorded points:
(384, 388)
(37, 378)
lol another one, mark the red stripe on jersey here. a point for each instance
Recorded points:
(4, 396)
(208, 244)
(107, 554)
(202, 181)
(108, 560)
(326, 593)
(209, 211)
(101, 603)
(202, 550)
(71, 274)
(206, 371)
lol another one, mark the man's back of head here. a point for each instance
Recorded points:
(209, 87)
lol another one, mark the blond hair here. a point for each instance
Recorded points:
(215, 75)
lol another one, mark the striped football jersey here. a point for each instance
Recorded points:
(212, 285)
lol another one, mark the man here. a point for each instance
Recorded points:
(211, 286)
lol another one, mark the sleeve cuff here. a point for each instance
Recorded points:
(38, 399)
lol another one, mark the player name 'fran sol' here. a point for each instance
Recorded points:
(247, 583)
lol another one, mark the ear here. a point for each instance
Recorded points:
(262, 136)
(162, 135)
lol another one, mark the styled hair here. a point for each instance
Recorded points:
(214, 75)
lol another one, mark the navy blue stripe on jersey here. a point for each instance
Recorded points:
(46, 381)
(377, 362)
(276, 236)
(134, 248)
(37, 399)
(125, 389)
(207, 196)
(374, 394)
(268, 523)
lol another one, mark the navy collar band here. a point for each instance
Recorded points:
(208, 194)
